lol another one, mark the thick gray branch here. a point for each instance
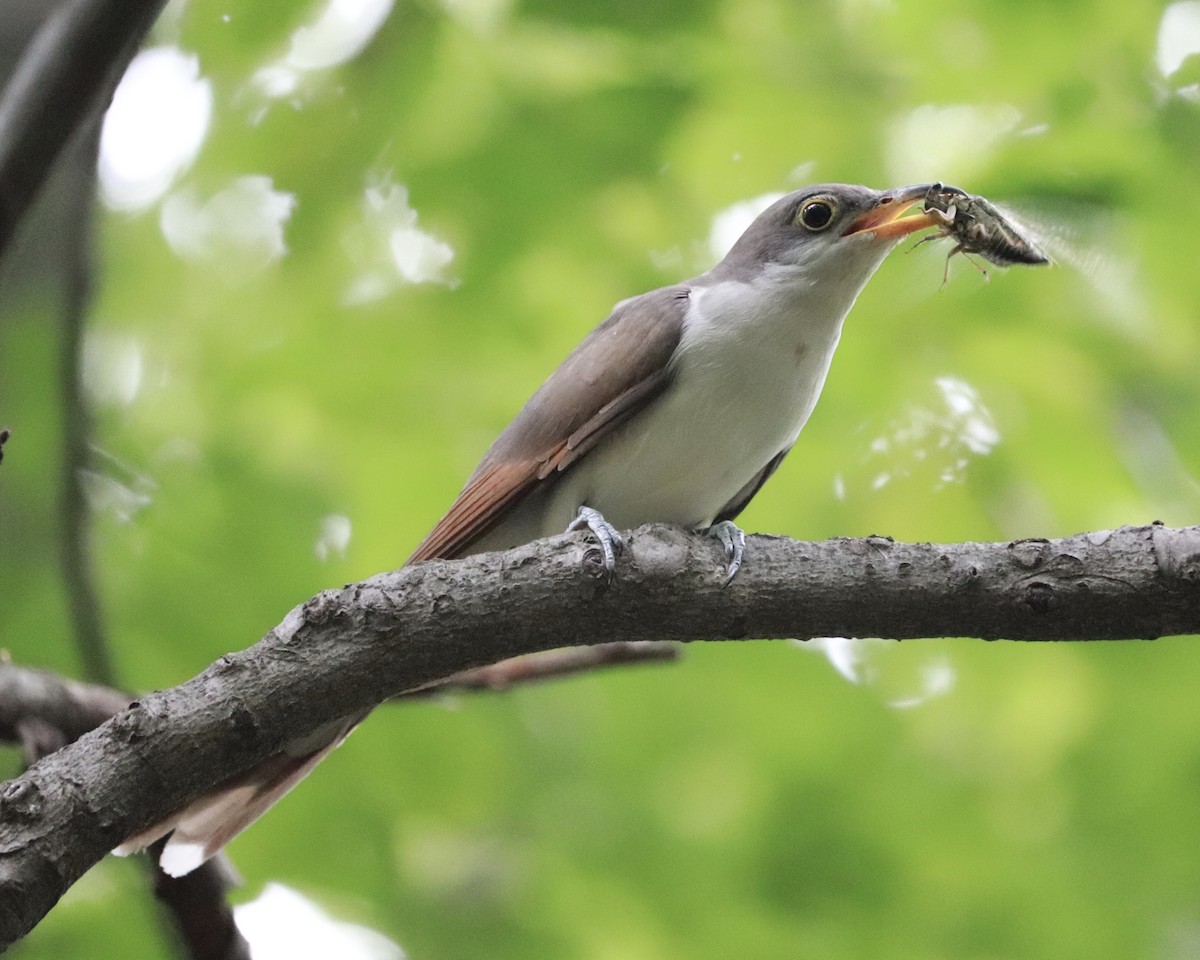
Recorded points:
(43, 712)
(345, 650)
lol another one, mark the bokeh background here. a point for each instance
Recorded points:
(338, 244)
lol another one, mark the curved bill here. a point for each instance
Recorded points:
(893, 217)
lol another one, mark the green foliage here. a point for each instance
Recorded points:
(749, 802)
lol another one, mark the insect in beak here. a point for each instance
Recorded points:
(977, 226)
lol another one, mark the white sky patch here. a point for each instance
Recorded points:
(936, 678)
(388, 247)
(112, 369)
(970, 420)
(946, 143)
(863, 661)
(1178, 36)
(282, 924)
(731, 223)
(240, 225)
(481, 16)
(154, 127)
(339, 33)
(942, 439)
(333, 537)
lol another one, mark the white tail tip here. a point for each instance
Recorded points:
(181, 858)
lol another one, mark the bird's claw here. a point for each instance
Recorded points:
(733, 539)
(610, 539)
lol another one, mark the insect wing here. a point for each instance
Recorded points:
(1002, 241)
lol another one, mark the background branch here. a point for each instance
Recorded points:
(64, 80)
(80, 587)
(349, 649)
(65, 706)
(551, 665)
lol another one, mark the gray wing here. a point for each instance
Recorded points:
(746, 494)
(619, 368)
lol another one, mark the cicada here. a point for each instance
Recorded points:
(978, 227)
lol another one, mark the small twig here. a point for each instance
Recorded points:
(551, 665)
(4, 435)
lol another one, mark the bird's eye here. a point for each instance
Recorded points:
(816, 215)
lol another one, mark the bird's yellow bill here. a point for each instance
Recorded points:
(893, 216)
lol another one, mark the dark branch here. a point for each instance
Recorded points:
(70, 708)
(43, 712)
(4, 435)
(65, 79)
(346, 650)
(74, 559)
(199, 908)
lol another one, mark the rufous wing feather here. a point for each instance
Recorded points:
(479, 505)
(621, 367)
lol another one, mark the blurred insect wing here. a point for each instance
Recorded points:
(1006, 243)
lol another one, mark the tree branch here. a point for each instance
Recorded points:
(45, 700)
(74, 559)
(346, 650)
(67, 75)
(43, 712)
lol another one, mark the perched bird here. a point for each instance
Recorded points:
(676, 408)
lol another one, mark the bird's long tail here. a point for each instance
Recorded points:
(201, 829)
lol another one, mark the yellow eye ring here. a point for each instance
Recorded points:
(816, 214)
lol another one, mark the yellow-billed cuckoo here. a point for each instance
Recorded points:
(677, 408)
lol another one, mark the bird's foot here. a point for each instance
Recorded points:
(733, 539)
(611, 541)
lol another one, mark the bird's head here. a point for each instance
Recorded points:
(829, 230)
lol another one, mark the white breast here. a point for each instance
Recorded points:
(747, 374)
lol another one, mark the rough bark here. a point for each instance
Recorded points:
(43, 712)
(345, 650)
